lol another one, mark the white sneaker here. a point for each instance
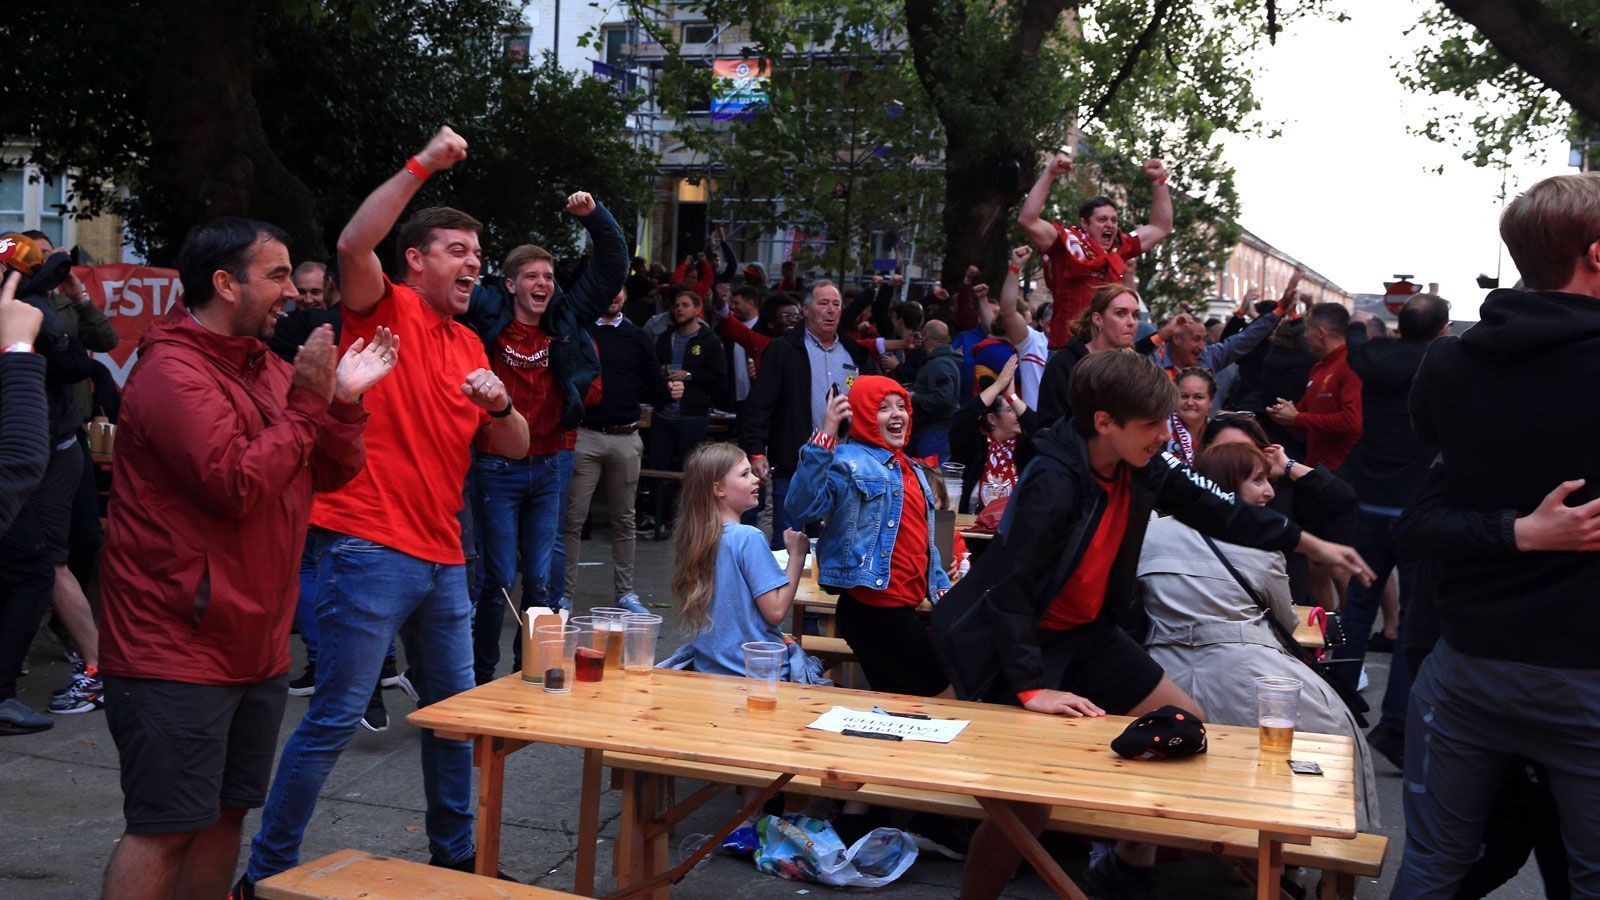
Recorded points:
(1361, 683)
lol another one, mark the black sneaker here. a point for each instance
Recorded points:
(376, 718)
(1109, 878)
(243, 889)
(306, 684)
(467, 865)
(389, 677)
(1390, 745)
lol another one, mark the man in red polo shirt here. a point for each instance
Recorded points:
(1330, 411)
(1094, 252)
(389, 541)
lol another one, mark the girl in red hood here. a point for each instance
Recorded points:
(876, 548)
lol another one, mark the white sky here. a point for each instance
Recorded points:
(1345, 188)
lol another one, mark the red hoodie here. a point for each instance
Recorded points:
(217, 457)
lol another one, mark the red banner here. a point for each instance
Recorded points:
(131, 297)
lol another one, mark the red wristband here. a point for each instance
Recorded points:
(1025, 696)
(1013, 269)
(1162, 182)
(415, 167)
(824, 440)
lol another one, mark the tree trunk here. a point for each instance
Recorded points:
(1540, 42)
(208, 149)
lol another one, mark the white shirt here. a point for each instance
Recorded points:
(1032, 354)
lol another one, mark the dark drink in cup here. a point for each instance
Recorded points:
(591, 664)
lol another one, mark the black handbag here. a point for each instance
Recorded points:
(1357, 703)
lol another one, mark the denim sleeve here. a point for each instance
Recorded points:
(815, 485)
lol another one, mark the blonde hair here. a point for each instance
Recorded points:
(697, 537)
(1099, 302)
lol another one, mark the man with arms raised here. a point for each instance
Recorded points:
(221, 446)
(1079, 259)
(393, 562)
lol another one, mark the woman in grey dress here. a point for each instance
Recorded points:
(1210, 636)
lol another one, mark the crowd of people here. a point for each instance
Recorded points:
(368, 455)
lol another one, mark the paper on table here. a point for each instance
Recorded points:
(936, 731)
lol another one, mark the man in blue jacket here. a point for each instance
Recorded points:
(534, 334)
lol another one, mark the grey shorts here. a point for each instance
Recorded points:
(188, 750)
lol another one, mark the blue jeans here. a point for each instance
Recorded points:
(305, 609)
(368, 593)
(519, 506)
(1374, 540)
(557, 579)
(780, 516)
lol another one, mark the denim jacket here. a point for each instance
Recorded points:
(856, 492)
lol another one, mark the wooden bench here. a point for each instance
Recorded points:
(356, 873)
(1340, 861)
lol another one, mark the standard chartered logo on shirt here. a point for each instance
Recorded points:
(538, 359)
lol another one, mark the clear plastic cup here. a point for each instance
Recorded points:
(1277, 712)
(610, 633)
(953, 473)
(763, 662)
(640, 631)
(557, 645)
(591, 642)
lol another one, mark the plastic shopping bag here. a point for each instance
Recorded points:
(801, 848)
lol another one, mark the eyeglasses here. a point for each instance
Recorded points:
(789, 316)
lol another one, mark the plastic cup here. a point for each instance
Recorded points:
(816, 564)
(953, 473)
(1277, 711)
(609, 633)
(763, 661)
(591, 641)
(556, 646)
(639, 643)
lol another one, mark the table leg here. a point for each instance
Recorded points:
(1005, 818)
(1269, 867)
(588, 823)
(490, 752)
(641, 848)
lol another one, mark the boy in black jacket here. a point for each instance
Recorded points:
(1040, 620)
(1516, 672)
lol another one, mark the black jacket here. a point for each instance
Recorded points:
(24, 431)
(295, 328)
(1054, 404)
(1389, 460)
(703, 359)
(629, 375)
(937, 392)
(776, 419)
(986, 628)
(969, 444)
(1504, 404)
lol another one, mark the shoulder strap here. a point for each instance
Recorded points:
(1284, 636)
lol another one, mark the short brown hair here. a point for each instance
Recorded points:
(1122, 383)
(522, 255)
(1230, 465)
(1550, 225)
(418, 230)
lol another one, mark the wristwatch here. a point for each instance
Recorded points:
(1288, 465)
(19, 347)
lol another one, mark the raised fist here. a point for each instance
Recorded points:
(444, 150)
(1155, 170)
(1060, 164)
(1021, 255)
(580, 204)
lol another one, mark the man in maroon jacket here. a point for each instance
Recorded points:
(1330, 411)
(222, 444)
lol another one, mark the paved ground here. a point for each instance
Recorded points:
(61, 804)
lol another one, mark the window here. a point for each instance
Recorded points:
(699, 33)
(51, 219)
(30, 200)
(12, 187)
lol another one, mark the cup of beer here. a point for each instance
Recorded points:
(590, 656)
(556, 648)
(1277, 711)
(763, 663)
(639, 643)
(609, 633)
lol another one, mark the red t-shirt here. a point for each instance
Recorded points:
(1085, 592)
(908, 563)
(1330, 410)
(1073, 267)
(521, 359)
(418, 437)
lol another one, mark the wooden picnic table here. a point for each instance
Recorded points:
(1004, 755)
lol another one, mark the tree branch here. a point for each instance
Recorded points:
(1539, 43)
(1139, 48)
